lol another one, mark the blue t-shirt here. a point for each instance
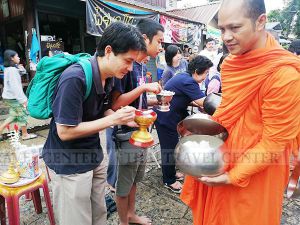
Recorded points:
(69, 108)
(186, 90)
(131, 81)
(171, 71)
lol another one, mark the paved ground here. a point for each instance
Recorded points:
(153, 200)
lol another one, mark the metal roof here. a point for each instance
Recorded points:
(201, 14)
(153, 5)
(274, 26)
(149, 6)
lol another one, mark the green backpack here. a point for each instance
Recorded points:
(41, 89)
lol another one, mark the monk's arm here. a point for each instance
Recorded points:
(280, 111)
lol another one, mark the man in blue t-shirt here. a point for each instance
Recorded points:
(72, 151)
(132, 160)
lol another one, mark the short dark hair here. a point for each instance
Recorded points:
(53, 51)
(46, 52)
(225, 49)
(221, 61)
(171, 51)
(122, 38)
(254, 8)
(149, 27)
(8, 54)
(295, 47)
(199, 64)
(210, 39)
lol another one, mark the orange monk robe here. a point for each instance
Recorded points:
(261, 110)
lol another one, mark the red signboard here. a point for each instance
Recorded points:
(180, 32)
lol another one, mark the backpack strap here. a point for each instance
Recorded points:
(87, 68)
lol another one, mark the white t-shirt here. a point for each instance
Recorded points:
(13, 85)
(209, 54)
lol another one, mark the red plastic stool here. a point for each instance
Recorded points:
(11, 196)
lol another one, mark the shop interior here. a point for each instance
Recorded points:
(55, 26)
(12, 38)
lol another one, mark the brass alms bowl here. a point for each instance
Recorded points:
(142, 138)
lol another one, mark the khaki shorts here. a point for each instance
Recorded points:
(131, 167)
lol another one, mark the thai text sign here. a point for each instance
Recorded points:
(99, 15)
(52, 45)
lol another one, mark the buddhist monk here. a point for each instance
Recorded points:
(260, 108)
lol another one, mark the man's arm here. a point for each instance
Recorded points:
(120, 99)
(68, 112)
(84, 129)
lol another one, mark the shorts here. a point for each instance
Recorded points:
(131, 167)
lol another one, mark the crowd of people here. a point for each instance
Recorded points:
(260, 86)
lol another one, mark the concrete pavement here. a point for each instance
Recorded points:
(153, 200)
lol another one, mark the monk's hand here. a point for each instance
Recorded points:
(220, 180)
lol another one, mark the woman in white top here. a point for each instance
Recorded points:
(13, 95)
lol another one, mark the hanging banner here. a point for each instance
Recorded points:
(213, 33)
(180, 32)
(4, 9)
(194, 34)
(175, 30)
(100, 14)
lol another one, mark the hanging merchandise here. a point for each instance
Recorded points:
(35, 47)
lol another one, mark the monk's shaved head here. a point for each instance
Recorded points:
(253, 8)
(242, 24)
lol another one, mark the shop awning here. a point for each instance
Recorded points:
(153, 5)
(201, 14)
(100, 14)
